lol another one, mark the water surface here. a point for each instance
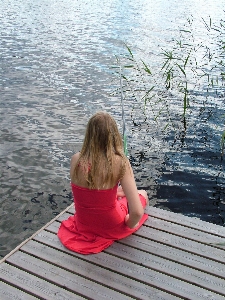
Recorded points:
(56, 59)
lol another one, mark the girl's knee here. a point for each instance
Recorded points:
(144, 194)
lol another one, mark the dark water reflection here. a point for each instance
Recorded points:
(55, 72)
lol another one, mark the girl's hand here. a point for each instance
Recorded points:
(126, 218)
(120, 192)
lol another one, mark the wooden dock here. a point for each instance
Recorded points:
(170, 257)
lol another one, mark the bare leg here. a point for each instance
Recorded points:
(144, 194)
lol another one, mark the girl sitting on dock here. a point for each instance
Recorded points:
(103, 187)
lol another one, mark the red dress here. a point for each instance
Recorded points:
(98, 220)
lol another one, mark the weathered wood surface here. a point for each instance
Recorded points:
(170, 257)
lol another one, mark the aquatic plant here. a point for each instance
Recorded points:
(139, 84)
(222, 144)
(188, 65)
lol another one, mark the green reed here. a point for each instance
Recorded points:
(188, 64)
(139, 85)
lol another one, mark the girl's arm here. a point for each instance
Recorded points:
(136, 210)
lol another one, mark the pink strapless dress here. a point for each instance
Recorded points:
(98, 220)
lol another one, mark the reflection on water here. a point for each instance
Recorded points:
(55, 72)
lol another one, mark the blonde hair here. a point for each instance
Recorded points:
(100, 153)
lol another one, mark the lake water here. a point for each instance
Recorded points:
(56, 61)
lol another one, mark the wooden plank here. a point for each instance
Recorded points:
(63, 278)
(64, 217)
(135, 271)
(34, 285)
(87, 269)
(181, 219)
(189, 259)
(174, 269)
(71, 210)
(181, 243)
(164, 265)
(185, 232)
(8, 292)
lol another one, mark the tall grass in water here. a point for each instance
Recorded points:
(189, 65)
(140, 85)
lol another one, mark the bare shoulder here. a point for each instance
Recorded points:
(75, 156)
(74, 159)
(73, 163)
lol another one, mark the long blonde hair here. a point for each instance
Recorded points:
(102, 158)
